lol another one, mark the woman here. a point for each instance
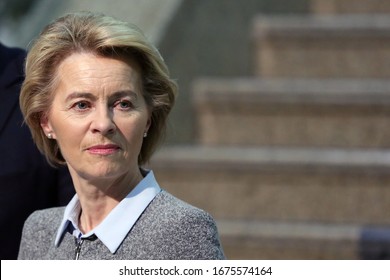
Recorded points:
(96, 98)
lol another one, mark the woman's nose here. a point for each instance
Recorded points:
(102, 122)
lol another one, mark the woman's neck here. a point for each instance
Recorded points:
(99, 197)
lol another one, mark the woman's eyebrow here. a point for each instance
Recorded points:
(90, 96)
(124, 93)
(75, 95)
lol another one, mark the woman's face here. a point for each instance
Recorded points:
(98, 116)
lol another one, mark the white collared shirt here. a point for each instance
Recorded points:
(114, 228)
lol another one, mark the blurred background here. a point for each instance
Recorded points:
(281, 129)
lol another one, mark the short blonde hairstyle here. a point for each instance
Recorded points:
(103, 36)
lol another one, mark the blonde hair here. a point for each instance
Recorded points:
(104, 36)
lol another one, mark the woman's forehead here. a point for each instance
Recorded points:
(83, 71)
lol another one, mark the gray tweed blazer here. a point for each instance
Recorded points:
(168, 229)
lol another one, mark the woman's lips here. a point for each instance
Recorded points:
(104, 150)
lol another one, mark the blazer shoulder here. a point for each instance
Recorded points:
(175, 210)
(191, 232)
(172, 203)
(39, 232)
(46, 221)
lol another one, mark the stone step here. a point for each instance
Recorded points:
(322, 46)
(323, 185)
(350, 6)
(302, 241)
(292, 112)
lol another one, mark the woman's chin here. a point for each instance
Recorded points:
(101, 171)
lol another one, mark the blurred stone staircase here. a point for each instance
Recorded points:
(294, 162)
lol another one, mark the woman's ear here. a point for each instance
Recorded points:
(148, 124)
(46, 126)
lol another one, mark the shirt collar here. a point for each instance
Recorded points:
(114, 228)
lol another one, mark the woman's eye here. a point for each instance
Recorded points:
(124, 104)
(82, 105)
